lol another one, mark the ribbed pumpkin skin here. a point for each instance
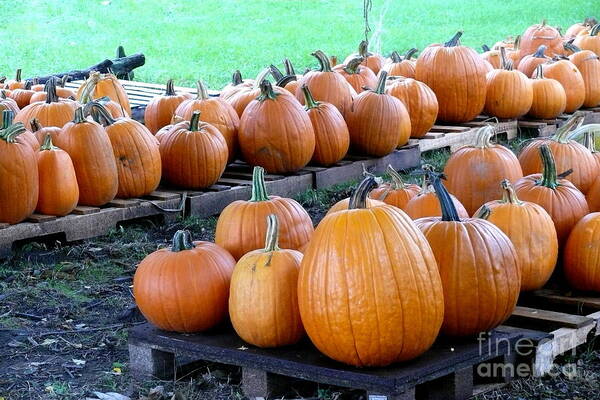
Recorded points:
(541, 34)
(585, 41)
(6, 103)
(395, 197)
(426, 204)
(372, 61)
(105, 85)
(369, 290)
(404, 68)
(531, 230)
(30, 139)
(185, 291)
(19, 182)
(332, 138)
(493, 57)
(509, 94)
(49, 114)
(549, 99)
(40, 132)
(59, 192)
(588, 64)
(344, 203)
(263, 300)
(363, 77)
(91, 152)
(457, 77)
(193, 159)
(593, 196)
(581, 259)
(566, 205)
(161, 109)
(138, 158)
(22, 97)
(276, 134)
(571, 80)
(530, 62)
(420, 102)
(480, 273)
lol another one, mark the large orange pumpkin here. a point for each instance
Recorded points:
(478, 265)
(581, 259)
(401, 66)
(216, 112)
(529, 63)
(377, 121)
(275, 132)
(263, 300)
(474, 172)
(91, 152)
(563, 201)
(59, 192)
(100, 85)
(567, 74)
(184, 288)
(160, 109)
(420, 102)
(19, 183)
(136, 153)
(396, 193)
(358, 76)
(52, 112)
(588, 64)
(532, 232)
(373, 307)
(456, 74)
(541, 34)
(331, 132)
(373, 61)
(549, 97)
(589, 41)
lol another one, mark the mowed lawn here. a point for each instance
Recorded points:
(191, 39)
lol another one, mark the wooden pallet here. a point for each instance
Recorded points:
(447, 371)
(547, 127)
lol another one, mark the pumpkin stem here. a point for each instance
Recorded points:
(359, 197)
(259, 189)
(272, 240)
(289, 68)
(170, 91)
(380, 89)
(325, 65)
(99, 113)
(353, 65)
(589, 139)
(485, 48)
(2, 94)
(285, 80)
(411, 52)
(539, 53)
(2, 79)
(11, 133)
(202, 91)
(395, 57)
(455, 40)
(309, 100)
(7, 118)
(539, 72)
(64, 80)
(194, 121)
(549, 178)
(595, 30)
(363, 49)
(509, 195)
(236, 78)
(483, 137)
(79, 116)
(182, 240)
(28, 84)
(562, 133)
(517, 43)
(47, 145)
(35, 124)
(266, 91)
(449, 212)
(50, 89)
(262, 75)
(483, 213)
(18, 75)
(506, 64)
(571, 47)
(397, 182)
(275, 72)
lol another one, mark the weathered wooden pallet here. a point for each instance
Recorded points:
(538, 127)
(449, 371)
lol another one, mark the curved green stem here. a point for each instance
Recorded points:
(195, 121)
(202, 91)
(182, 240)
(170, 91)
(64, 80)
(99, 113)
(380, 88)
(28, 84)
(449, 212)
(506, 63)
(359, 197)
(286, 79)
(50, 89)
(589, 140)
(277, 74)
(259, 189)
(539, 72)
(539, 53)
(485, 48)
(571, 47)
(2, 94)
(289, 68)
(236, 78)
(266, 91)
(549, 178)
(395, 57)
(309, 100)
(353, 65)
(595, 30)
(7, 118)
(484, 136)
(455, 40)
(47, 145)
(262, 75)
(509, 195)
(363, 49)
(11, 133)
(397, 182)
(79, 117)
(35, 125)
(483, 213)
(411, 52)
(272, 238)
(18, 75)
(562, 133)
(325, 65)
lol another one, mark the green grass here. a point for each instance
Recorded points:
(208, 39)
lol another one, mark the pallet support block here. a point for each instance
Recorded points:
(456, 386)
(409, 394)
(148, 363)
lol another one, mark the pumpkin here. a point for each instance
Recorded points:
(541, 34)
(242, 227)
(491, 56)
(216, 112)
(530, 229)
(101, 85)
(568, 155)
(567, 74)
(19, 182)
(373, 61)
(376, 306)
(90, 149)
(474, 172)
(345, 203)
(530, 62)
(184, 288)
(575, 29)
(58, 192)
(115, 109)
(194, 154)
(331, 132)
(358, 76)
(241, 95)
(589, 141)
(426, 203)
(420, 102)
(6, 103)
(263, 301)
(559, 197)
(456, 74)
(161, 108)
(26, 136)
(51, 112)
(590, 41)
(581, 259)
(236, 84)
(378, 122)
(401, 66)
(289, 81)
(162, 131)
(478, 265)
(588, 64)
(513, 54)
(16, 83)
(396, 193)
(40, 132)
(136, 153)
(23, 96)
(549, 97)
(61, 91)
(275, 132)
(327, 85)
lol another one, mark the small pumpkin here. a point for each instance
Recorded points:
(101, 85)
(401, 66)
(23, 96)
(40, 132)
(242, 226)
(530, 62)
(54, 111)
(184, 288)
(549, 97)
(541, 34)
(588, 64)
(6, 103)
(492, 56)
(236, 84)
(590, 41)
(559, 197)
(242, 94)
(581, 258)
(161, 108)
(290, 81)
(567, 74)
(530, 229)
(371, 60)
(358, 76)
(420, 102)
(194, 154)
(396, 193)
(59, 192)
(575, 29)
(16, 83)
(263, 300)
(332, 138)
